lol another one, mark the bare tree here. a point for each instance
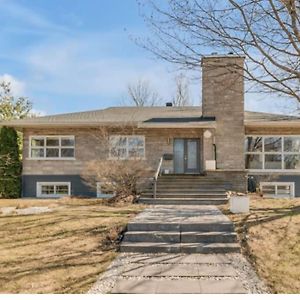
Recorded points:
(266, 32)
(141, 94)
(181, 97)
(120, 168)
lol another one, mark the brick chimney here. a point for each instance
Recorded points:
(223, 98)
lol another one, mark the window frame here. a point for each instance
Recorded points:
(262, 153)
(45, 147)
(100, 194)
(127, 148)
(276, 184)
(39, 185)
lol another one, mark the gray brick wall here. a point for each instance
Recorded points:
(223, 98)
(90, 145)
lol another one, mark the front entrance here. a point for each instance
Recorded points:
(186, 156)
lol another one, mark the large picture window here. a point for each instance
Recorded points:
(272, 152)
(126, 147)
(52, 147)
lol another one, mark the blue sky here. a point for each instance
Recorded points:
(72, 55)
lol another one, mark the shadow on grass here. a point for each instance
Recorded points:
(260, 216)
(38, 245)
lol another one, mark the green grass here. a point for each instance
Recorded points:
(59, 252)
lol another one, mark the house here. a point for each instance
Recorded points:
(219, 138)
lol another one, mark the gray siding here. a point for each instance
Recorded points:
(284, 178)
(78, 186)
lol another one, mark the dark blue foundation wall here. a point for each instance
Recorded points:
(78, 186)
(279, 178)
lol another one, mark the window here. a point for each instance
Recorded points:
(272, 153)
(53, 189)
(278, 189)
(105, 190)
(52, 147)
(126, 147)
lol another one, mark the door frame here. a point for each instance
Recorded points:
(185, 151)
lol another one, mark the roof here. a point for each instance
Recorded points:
(257, 119)
(146, 117)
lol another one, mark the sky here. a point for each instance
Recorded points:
(77, 55)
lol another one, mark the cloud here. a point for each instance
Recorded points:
(38, 113)
(84, 66)
(25, 16)
(17, 86)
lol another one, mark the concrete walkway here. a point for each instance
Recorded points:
(135, 273)
(150, 273)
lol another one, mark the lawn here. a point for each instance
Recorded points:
(63, 251)
(270, 237)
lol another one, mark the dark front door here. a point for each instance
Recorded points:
(186, 156)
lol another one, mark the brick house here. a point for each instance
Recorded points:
(218, 140)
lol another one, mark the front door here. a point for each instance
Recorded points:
(186, 156)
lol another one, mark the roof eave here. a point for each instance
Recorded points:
(210, 124)
(69, 124)
(276, 124)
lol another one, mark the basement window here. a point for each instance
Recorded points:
(105, 190)
(53, 189)
(278, 189)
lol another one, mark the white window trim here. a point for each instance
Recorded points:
(44, 147)
(127, 158)
(39, 189)
(276, 184)
(100, 194)
(262, 154)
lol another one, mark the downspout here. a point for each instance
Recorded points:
(215, 153)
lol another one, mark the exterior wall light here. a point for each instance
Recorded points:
(207, 134)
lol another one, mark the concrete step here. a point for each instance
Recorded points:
(199, 178)
(177, 237)
(191, 195)
(184, 227)
(193, 187)
(177, 201)
(209, 237)
(181, 181)
(189, 177)
(207, 248)
(184, 182)
(152, 236)
(186, 190)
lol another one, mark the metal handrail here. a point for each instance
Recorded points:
(156, 176)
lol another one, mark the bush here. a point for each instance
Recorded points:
(10, 164)
(122, 177)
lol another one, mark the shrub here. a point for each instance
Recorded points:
(123, 177)
(10, 164)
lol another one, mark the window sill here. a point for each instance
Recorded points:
(123, 159)
(48, 158)
(272, 171)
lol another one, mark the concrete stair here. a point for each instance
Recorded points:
(205, 248)
(187, 190)
(180, 201)
(178, 237)
(197, 229)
